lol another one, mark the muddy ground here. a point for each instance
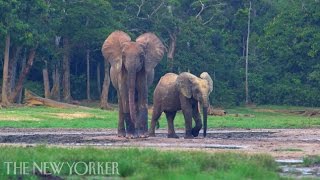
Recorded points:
(280, 143)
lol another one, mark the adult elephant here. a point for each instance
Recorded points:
(132, 71)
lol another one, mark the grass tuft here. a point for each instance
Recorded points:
(311, 161)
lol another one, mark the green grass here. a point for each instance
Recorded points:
(288, 149)
(311, 161)
(45, 117)
(147, 163)
(260, 117)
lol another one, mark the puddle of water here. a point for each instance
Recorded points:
(289, 161)
(300, 170)
(294, 168)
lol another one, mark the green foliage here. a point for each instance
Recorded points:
(149, 163)
(284, 66)
(292, 79)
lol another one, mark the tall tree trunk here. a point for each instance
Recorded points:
(172, 48)
(105, 89)
(76, 67)
(247, 57)
(55, 91)
(23, 65)
(66, 71)
(46, 81)
(5, 100)
(25, 71)
(98, 79)
(88, 74)
(13, 70)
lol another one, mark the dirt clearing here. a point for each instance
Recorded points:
(280, 143)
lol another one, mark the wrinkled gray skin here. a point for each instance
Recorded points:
(182, 92)
(132, 71)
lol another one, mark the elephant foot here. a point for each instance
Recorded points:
(152, 135)
(188, 137)
(121, 133)
(144, 135)
(195, 132)
(131, 136)
(173, 136)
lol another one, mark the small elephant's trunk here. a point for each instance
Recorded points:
(205, 105)
(205, 119)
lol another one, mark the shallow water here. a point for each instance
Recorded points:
(294, 168)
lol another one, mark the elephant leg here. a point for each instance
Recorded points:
(187, 113)
(197, 118)
(142, 88)
(156, 113)
(170, 117)
(121, 128)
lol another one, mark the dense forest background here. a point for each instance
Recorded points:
(52, 47)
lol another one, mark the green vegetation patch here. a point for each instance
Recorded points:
(288, 149)
(238, 117)
(145, 163)
(311, 161)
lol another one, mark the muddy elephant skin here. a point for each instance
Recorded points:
(132, 71)
(182, 92)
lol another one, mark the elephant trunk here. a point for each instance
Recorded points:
(132, 108)
(205, 105)
(205, 116)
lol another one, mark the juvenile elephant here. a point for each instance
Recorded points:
(182, 92)
(132, 71)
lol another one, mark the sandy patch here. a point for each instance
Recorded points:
(72, 115)
(4, 117)
(267, 110)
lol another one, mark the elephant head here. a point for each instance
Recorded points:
(131, 57)
(199, 89)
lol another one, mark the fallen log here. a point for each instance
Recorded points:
(32, 99)
(243, 115)
(216, 112)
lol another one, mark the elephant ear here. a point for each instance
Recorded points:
(154, 49)
(184, 84)
(207, 77)
(112, 48)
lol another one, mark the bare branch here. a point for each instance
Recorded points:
(139, 7)
(157, 9)
(202, 8)
(208, 21)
